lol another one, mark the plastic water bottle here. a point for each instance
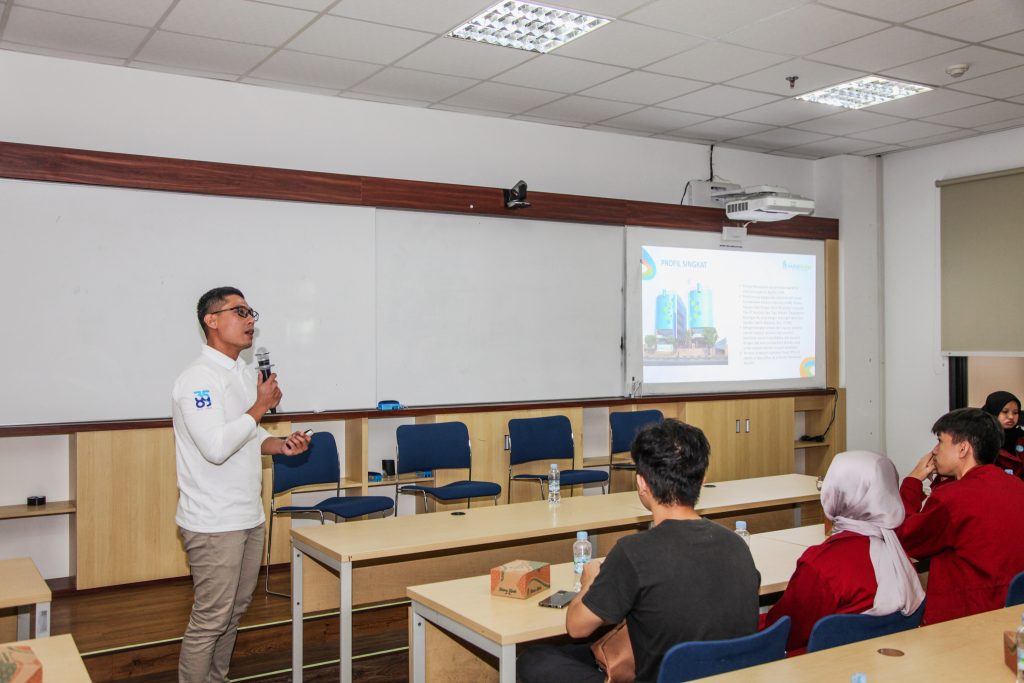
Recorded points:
(554, 485)
(859, 678)
(582, 551)
(741, 531)
(1020, 651)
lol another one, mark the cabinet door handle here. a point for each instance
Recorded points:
(737, 426)
(748, 425)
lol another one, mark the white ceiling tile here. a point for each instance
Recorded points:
(784, 112)
(1000, 85)
(74, 34)
(618, 131)
(642, 87)
(279, 85)
(510, 99)
(470, 110)
(779, 138)
(366, 97)
(976, 20)
(1018, 99)
(550, 122)
(883, 149)
(904, 132)
(1013, 42)
(464, 58)
(416, 85)
(716, 62)
(63, 54)
(722, 129)
(711, 18)
(622, 43)
(848, 122)
(195, 73)
(944, 137)
(927, 103)
(359, 40)
(980, 115)
(719, 100)
(311, 5)
(832, 147)
(795, 155)
(606, 8)
(803, 30)
(435, 17)
(586, 109)
(237, 20)
(203, 54)
(886, 49)
(932, 71)
(676, 136)
(314, 70)
(562, 74)
(138, 12)
(887, 10)
(654, 120)
(810, 76)
(1003, 125)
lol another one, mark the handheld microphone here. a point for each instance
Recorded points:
(264, 366)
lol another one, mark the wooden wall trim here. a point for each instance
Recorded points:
(155, 423)
(111, 169)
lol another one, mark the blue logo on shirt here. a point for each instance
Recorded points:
(203, 399)
(1020, 449)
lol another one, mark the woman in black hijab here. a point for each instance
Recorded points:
(1005, 407)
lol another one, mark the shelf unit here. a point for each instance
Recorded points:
(59, 507)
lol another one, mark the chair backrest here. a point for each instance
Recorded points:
(540, 438)
(626, 425)
(701, 658)
(1015, 595)
(318, 465)
(438, 446)
(843, 629)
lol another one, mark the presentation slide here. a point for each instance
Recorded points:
(720, 315)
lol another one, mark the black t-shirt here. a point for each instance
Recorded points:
(679, 581)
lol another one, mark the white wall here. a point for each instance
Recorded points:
(916, 375)
(57, 102)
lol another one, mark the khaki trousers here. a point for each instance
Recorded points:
(225, 568)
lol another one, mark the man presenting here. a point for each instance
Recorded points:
(970, 528)
(218, 403)
(685, 578)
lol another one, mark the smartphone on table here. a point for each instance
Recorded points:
(558, 599)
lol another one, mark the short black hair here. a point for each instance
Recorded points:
(975, 426)
(213, 298)
(672, 457)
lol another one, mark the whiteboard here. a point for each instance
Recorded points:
(480, 310)
(100, 287)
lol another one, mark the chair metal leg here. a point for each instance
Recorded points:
(270, 541)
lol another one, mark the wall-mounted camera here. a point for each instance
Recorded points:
(516, 197)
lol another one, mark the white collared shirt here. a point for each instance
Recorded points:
(217, 445)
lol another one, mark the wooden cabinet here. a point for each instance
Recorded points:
(748, 437)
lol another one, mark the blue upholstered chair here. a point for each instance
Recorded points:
(440, 446)
(548, 439)
(1015, 595)
(702, 658)
(843, 629)
(624, 427)
(317, 466)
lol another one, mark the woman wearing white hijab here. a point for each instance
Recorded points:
(861, 568)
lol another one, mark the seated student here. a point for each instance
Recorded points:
(971, 530)
(1005, 407)
(861, 568)
(685, 578)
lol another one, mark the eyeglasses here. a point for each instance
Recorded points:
(242, 312)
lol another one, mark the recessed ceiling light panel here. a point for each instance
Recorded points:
(864, 92)
(526, 26)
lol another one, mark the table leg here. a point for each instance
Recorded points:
(507, 664)
(24, 619)
(42, 620)
(296, 615)
(345, 621)
(419, 647)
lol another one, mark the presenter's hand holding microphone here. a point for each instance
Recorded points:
(268, 396)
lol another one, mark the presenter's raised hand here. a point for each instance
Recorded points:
(268, 395)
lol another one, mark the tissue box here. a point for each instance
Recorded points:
(1010, 650)
(19, 665)
(520, 579)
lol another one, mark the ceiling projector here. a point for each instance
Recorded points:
(765, 203)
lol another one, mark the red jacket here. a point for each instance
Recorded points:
(972, 533)
(835, 577)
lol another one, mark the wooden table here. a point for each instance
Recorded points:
(804, 536)
(59, 657)
(968, 649)
(22, 586)
(486, 534)
(466, 609)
